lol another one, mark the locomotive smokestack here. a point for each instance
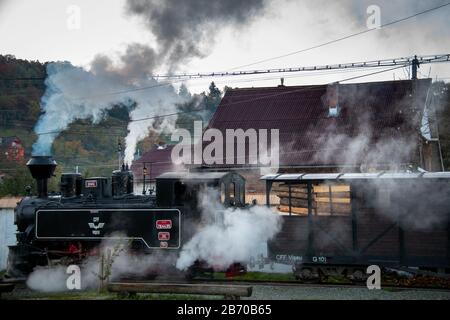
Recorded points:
(41, 168)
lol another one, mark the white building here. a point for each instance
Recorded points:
(7, 228)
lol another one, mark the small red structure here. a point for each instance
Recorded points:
(11, 149)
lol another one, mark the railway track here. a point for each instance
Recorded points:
(285, 283)
(21, 282)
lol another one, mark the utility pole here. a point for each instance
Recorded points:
(144, 173)
(419, 161)
(414, 66)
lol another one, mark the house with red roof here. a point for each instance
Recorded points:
(356, 127)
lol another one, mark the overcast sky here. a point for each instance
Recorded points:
(37, 30)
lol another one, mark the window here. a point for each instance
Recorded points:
(326, 199)
(231, 193)
(180, 193)
(222, 192)
(333, 111)
(332, 199)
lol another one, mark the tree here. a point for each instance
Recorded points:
(200, 107)
(184, 93)
(213, 99)
(15, 183)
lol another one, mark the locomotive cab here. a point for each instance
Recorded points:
(174, 189)
(186, 190)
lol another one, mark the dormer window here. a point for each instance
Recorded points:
(333, 111)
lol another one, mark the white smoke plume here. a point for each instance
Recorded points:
(362, 152)
(229, 235)
(366, 137)
(416, 204)
(54, 278)
(48, 279)
(74, 93)
(123, 263)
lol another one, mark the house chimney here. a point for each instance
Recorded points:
(332, 100)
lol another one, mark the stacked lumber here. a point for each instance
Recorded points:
(326, 199)
(336, 201)
(299, 198)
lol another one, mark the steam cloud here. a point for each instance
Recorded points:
(372, 138)
(124, 263)
(229, 235)
(184, 30)
(417, 205)
(53, 279)
(73, 93)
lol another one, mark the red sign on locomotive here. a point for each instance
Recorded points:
(163, 236)
(163, 224)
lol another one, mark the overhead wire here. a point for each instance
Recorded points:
(342, 38)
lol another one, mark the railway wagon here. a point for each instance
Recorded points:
(71, 225)
(342, 223)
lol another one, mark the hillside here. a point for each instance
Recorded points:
(92, 149)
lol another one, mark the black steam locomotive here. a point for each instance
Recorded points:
(87, 211)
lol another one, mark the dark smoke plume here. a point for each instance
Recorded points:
(186, 29)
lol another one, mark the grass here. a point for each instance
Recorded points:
(337, 279)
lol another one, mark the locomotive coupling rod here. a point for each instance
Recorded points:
(228, 291)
